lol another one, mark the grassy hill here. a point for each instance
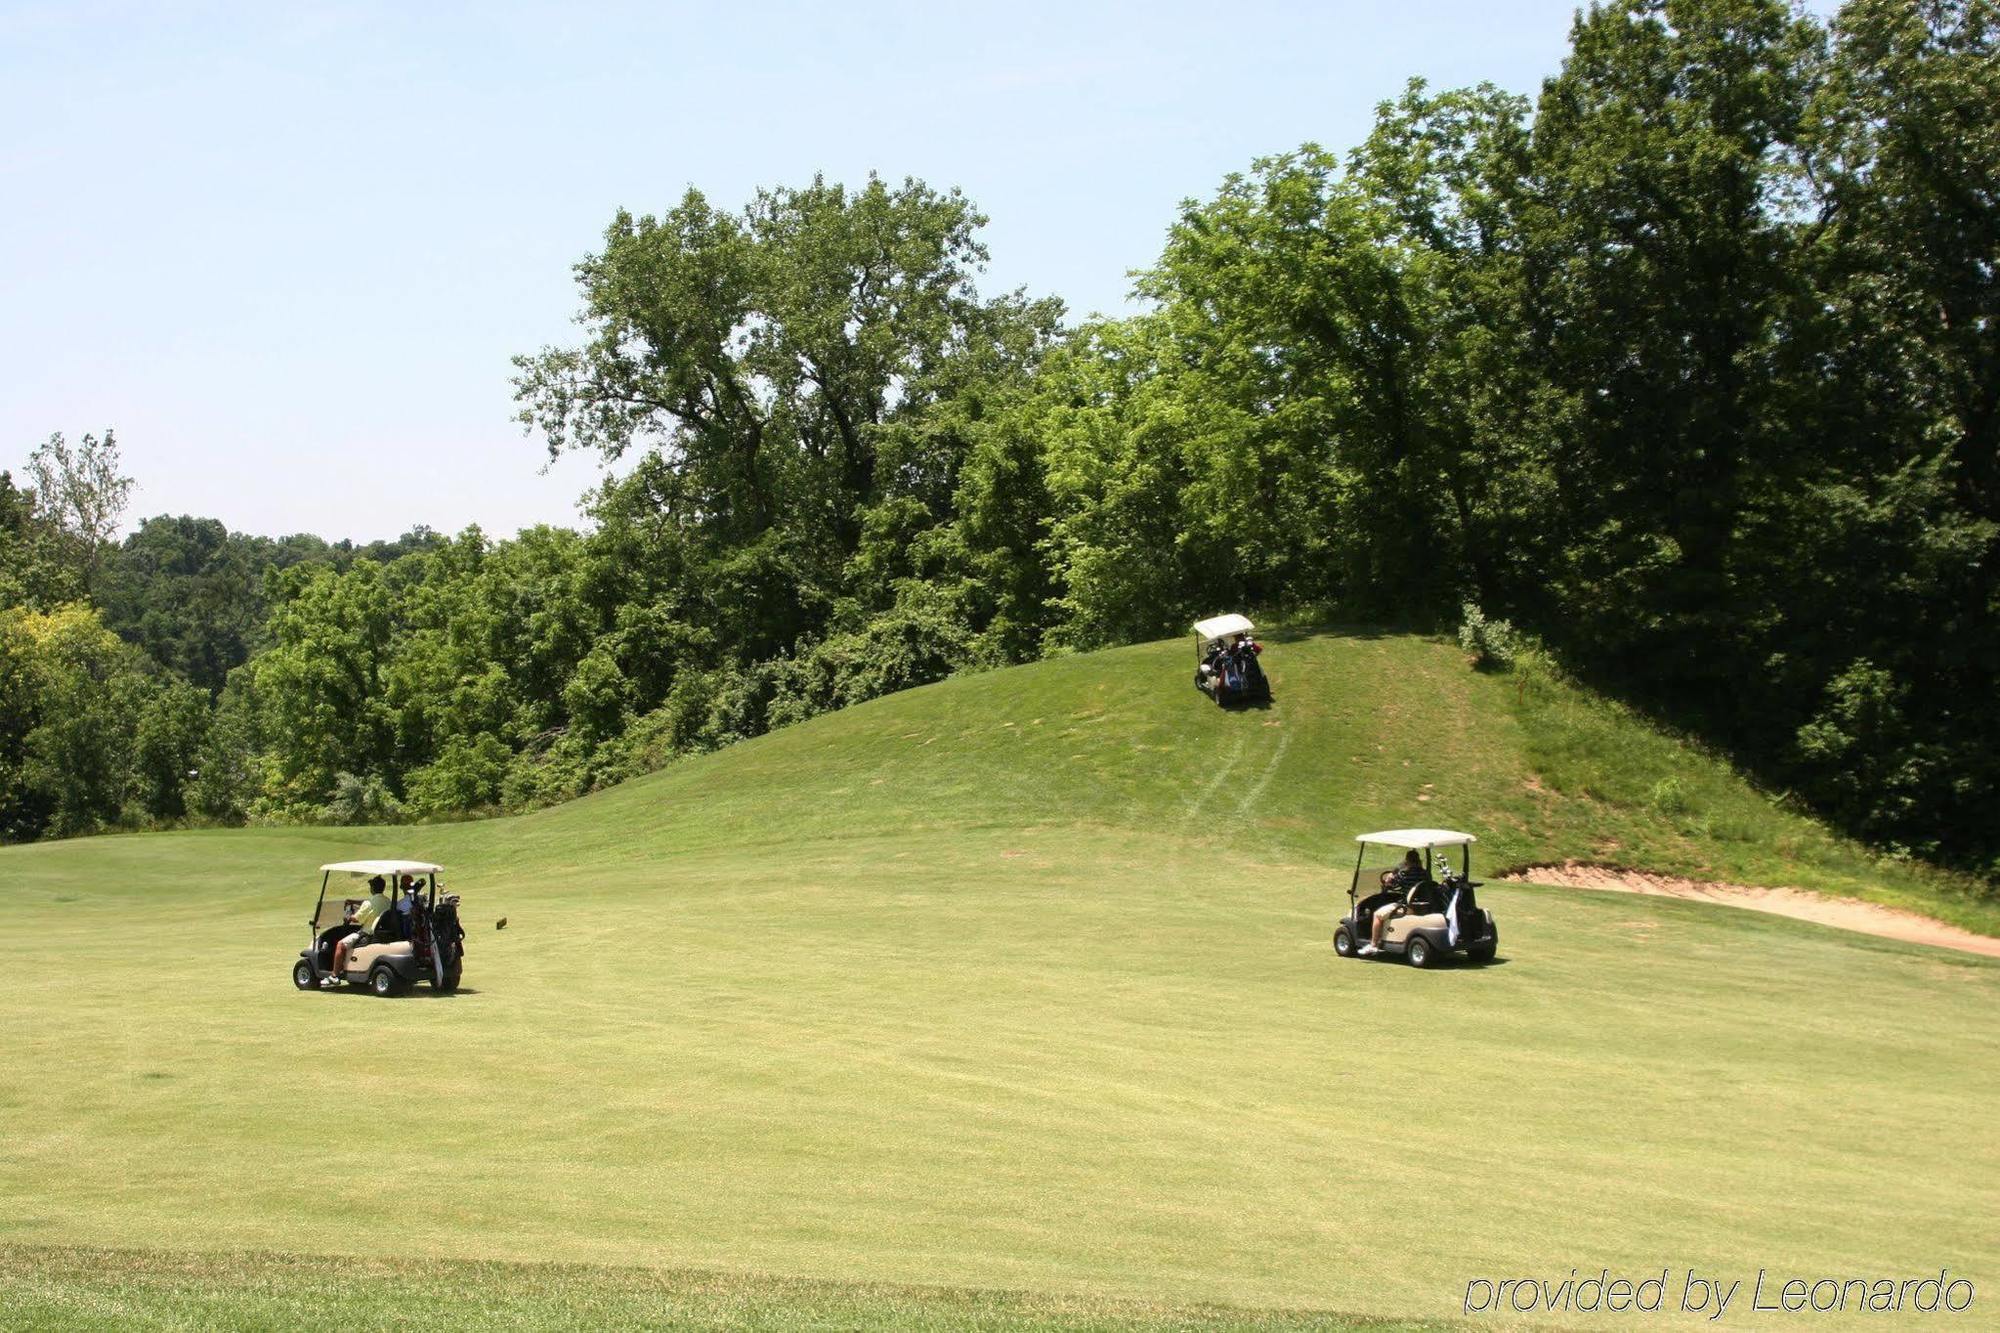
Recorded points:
(1015, 984)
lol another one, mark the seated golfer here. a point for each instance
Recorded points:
(363, 918)
(1408, 877)
(396, 925)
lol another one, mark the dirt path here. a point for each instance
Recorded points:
(1846, 913)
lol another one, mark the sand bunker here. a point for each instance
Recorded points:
(1891, 923)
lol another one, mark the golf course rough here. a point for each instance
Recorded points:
(1016, 984)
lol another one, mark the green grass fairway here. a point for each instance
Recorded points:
(1015, 984)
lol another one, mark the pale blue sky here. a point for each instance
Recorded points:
(286, 251)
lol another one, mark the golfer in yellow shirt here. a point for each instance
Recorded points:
(363, 918)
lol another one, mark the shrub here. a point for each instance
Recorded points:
(1493, 644)
(919, 640)
(1670, 796)
(360, 800)
(466, 775)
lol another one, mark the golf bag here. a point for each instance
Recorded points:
(1242, 677)
(1461, 915)
(1231, 674)
(447, 943)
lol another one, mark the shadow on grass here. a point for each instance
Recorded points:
(1300, 633)
(419, 990)
(1249, 705)
(1449, 963)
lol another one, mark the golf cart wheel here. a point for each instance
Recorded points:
(382, 981)
(1343, 942)
(1420, 952)
(1483, 951)
(449, 984)
(302, 975)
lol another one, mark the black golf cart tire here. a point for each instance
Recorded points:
(382, 980)
(450, 982)
(1419, 951)
(302, 976)
(1483, 951)
(1343, 942)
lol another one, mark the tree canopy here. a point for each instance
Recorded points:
(1688, 364)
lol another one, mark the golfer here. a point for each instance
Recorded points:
(1406, 877)
(363, 919)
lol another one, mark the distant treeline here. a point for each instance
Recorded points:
(1689, 366)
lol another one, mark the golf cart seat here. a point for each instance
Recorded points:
(1400, 928)
(365, 957)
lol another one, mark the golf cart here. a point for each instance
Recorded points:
(1440, 917)
(424, 944)
(1225, 661)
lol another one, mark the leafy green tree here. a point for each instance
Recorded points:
(32, 570)
(74, 695)
(1908, 165)
(230, 767)
(995, 546)
(1657, 249)
(598, 696)
(190, 593)
(760, 348)
(1451, 171)
(21, 814)
(1116, 453)
(1693, 373)
(769, 358)
(446, 671)
(1328, 407)
(1882, 560)
(172, 729)
(320, 683)
(80, 495)
(468, 774)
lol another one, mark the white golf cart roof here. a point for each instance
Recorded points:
(1221, 627)
(1417, 837)
(381, 868)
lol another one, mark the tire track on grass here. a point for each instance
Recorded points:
(1263, 783)
(1214, 783)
